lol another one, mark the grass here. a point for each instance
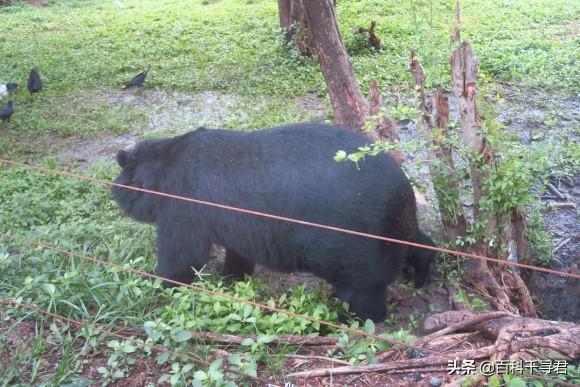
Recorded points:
(226, 60)
(194, 47)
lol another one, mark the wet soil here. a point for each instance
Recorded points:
(167, 114)
(539, 118)
(558, 298)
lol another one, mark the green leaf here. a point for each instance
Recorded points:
(235, 359)
(49, 288)
(200, 375)
(516, 382)
(265, 339)
(340, 156)
(128, 348)
(180, 335)
(247, 342)
(186, 368)
(162, 358)
(216, 365)
(369, 327)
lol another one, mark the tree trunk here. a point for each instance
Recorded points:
(284, 8)
(349, 106)
(512, 294)
(447, 186)
(454, 221)
(293, 21)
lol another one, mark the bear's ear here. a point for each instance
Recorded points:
(124, 158)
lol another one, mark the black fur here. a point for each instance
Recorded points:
(287, 171)
(421, 259)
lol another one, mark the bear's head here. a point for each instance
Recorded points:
(142, 168)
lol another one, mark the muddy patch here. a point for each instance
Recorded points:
(174, 113)
(559, 297)
(541, 119)
(164, 114)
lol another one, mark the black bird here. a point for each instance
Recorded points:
(137, 80)
(6, 112)
(7, 88)
(34, 82)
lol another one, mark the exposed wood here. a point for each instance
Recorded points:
(454, 220)
(556, 191)
(561, 244)
(519, 236)
(442, 320)
(507, 289)
(562, 205)
(430, 361)
(547, 339)
(515, 337)
(480, 278)
(223, 338)
(513, 334)
(464, 72)
(442, 170)
(323, 358)
(467, 319)
(519, 293)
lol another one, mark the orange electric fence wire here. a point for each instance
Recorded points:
(216, 293)
(122, 337)
(297, 221)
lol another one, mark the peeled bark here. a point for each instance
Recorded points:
(504, 284)
(447, 185)
(454, 221)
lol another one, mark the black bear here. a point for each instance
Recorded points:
(420, 259)
(287, 171)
